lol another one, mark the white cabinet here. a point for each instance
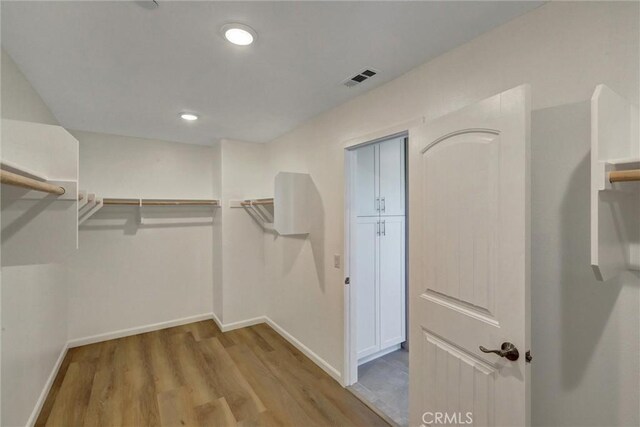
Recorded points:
(367, 192)
(391, 243)
(365, 274)
(391, 176)
(378, 258)
(380, 175)
(379, 277)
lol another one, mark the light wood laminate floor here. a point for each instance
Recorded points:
(195, 375)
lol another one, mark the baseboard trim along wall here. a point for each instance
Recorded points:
(323, 364)
(47, 386)
(333, 372)
(224, 327)
(137, 330)
(380, 353)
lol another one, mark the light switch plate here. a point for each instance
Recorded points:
(336, 261)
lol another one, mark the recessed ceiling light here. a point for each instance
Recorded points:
(239, 34)
(188, 116)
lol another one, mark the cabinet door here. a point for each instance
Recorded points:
(391, 176)
(365, 279)
(392, 281)
(366, 190)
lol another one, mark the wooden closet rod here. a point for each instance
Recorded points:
(11, 178)
(178, 202)
(624, 176)
(257, 202)
(160, 202)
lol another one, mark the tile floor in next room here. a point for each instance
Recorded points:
(384, 384)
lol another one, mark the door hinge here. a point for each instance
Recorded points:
(347, 281)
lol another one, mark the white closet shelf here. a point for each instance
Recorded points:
(615, 198)
(89, 204)
(251, 202)
(629, 161)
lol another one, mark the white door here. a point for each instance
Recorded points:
(367, 201)
(391, 182)
(392, 281)
(365, 274)
(469, 263)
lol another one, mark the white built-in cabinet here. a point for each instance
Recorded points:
(380, 179)
(379, 247)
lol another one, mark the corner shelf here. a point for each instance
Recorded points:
(615, 155)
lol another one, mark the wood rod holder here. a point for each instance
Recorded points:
(624, 176)
(14, 179)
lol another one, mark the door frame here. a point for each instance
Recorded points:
(350, 369)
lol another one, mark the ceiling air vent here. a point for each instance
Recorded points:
(360, 77)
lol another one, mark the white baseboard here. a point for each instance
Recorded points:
(380, 353)
(47, 386)
(225, 327)
(137, 330)
(333, 372)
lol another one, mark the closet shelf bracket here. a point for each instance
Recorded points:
(260, 210)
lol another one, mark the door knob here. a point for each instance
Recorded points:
(507, 350)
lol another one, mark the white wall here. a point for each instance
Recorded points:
(34, 297)
(127, 275)
(20, 101)
(586, 338)
(244, 283)
(217, 284)
(563, 50)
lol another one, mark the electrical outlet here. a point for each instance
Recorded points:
(336, 261)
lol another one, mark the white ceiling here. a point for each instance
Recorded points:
(122, 68)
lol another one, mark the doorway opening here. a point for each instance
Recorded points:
(377, 360)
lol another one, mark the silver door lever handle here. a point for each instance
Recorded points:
(507, 350)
